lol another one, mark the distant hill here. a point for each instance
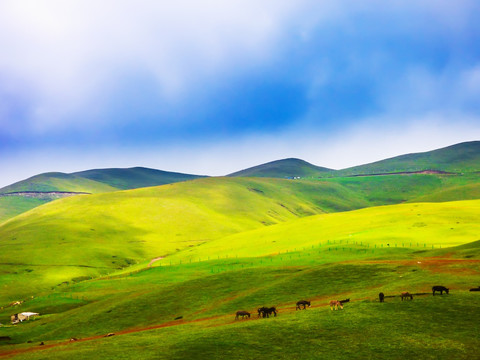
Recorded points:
(42, 188)
(459, 158)
(286, 168)
(134, 178)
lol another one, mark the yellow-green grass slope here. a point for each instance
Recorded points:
(96, 234)
(420, 225)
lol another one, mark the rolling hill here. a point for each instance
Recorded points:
(27, 194)
(286, 168)
(188, 307)
(95, 234)
(459, 158)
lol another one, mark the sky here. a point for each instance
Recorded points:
(212, 86)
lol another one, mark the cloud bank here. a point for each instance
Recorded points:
(227, 85)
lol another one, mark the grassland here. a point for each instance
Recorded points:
(140, 309)
(12, 206)
(286, 168)
(459, 158)
(228, 244)
(96, 234)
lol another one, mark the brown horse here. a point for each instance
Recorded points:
(242, 314)
(266, 312)
(335, 304)
(439, 288)
(302, 302)
(406, 295)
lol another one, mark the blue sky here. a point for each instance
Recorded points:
(211, 87)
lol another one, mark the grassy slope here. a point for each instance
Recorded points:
(425, 224)
(394, 189)
(134, 178)
(11, 206)
(463, 157)
(58, 182)
(159, 295)
(285, 168)
(96, 234)
(91, 181)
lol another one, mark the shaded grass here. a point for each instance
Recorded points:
(426, 328)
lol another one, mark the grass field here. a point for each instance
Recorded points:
(229, 244)
(98, 234)
(140, 309)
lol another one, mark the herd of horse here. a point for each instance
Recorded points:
(265, 312)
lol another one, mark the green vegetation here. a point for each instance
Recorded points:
(140, 309)
(58, 182)
(134, 178)
(165, 268)
(11, 206)
(286, 168)
(459, 158)
(91, 181)
(96, 234)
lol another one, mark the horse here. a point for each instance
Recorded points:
(381, 296)
(406, 295)
(335, 304)
(266, 312)
(439, 288)
(242, 314)
(302, 302)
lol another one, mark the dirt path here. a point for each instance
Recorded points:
(154, 260)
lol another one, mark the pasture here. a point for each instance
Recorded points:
(140, 309)
(232, 244)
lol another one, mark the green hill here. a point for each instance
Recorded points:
(186, 310)
(286, 168)
(90, 181)
(459, 158)
(134, 178)
(95, 234)
(56, 181)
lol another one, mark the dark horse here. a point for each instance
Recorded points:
(439, 288)
(381, 296)
(266, 312)
(304, 303)
(406, 295)
(242, 314)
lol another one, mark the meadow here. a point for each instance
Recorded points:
(140, 306)
(164, 269)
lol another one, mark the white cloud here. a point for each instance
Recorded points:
(367, 141)
(70, 54)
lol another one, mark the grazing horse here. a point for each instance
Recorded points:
(242, 314)
(302, 302)
(335, 304)
(266, 312)
(381, 296)
(439, 288)
(406, 295)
